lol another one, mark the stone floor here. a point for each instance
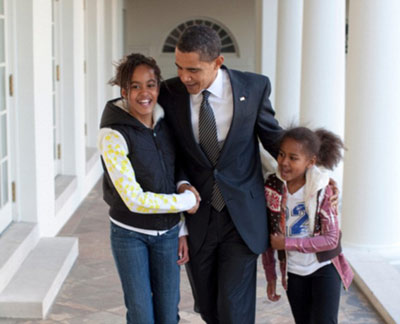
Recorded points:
(92, 294)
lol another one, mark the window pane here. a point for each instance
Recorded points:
(229, 49)
(3, 133)
(1, 7)
(2, 40)
(175, 33)
(4, 183)
(171, 40)
(2, 88)
(222, 33)
(168, 49)
(226, 41)
(216, 28)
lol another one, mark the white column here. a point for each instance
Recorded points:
(33, 99)
(78, 88)
(323, 64)
(108, 47)
(117, 37)
(288, 62)
(323, 68)
(72, 93)
(266, 30)
(371, 174)
(42, 105)
(101, 56)
(94, 68)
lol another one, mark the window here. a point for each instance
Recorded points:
(228, 44)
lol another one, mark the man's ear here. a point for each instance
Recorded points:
(219, 61)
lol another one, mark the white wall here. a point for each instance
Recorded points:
(149, 22)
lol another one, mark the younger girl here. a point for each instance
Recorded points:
(304, 227)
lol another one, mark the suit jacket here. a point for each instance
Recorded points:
(238, 171)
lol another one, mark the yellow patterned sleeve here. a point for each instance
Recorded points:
(114, 151)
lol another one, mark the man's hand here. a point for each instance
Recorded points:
(277, 241)
(271, 291)
(186, 186)
(183, 250)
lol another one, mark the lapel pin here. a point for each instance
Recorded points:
(242, 98)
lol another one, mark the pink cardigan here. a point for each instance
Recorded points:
(326, 231)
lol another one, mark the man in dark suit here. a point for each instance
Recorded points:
(217, 135)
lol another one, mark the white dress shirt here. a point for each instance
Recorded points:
(221, 101)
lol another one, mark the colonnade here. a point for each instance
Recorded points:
(355, 95)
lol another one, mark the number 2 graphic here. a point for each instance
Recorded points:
(298, 227)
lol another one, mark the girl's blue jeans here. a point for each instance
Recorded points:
(149, 273)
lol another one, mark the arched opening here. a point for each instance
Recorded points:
(227, 40)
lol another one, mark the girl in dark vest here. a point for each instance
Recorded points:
(305, 228)
(138, 157)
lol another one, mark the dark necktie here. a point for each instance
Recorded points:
(209, 143)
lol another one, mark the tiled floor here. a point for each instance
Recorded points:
(92, 294)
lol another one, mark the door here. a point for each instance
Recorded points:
(56, 86)
(5, 158)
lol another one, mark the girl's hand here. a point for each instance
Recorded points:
(271, 291)
(284, 282)
(277, 241)
(186, 186)
(183, 251)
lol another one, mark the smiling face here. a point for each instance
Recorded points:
(142, 94)
(194, 73)
(293, 163)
